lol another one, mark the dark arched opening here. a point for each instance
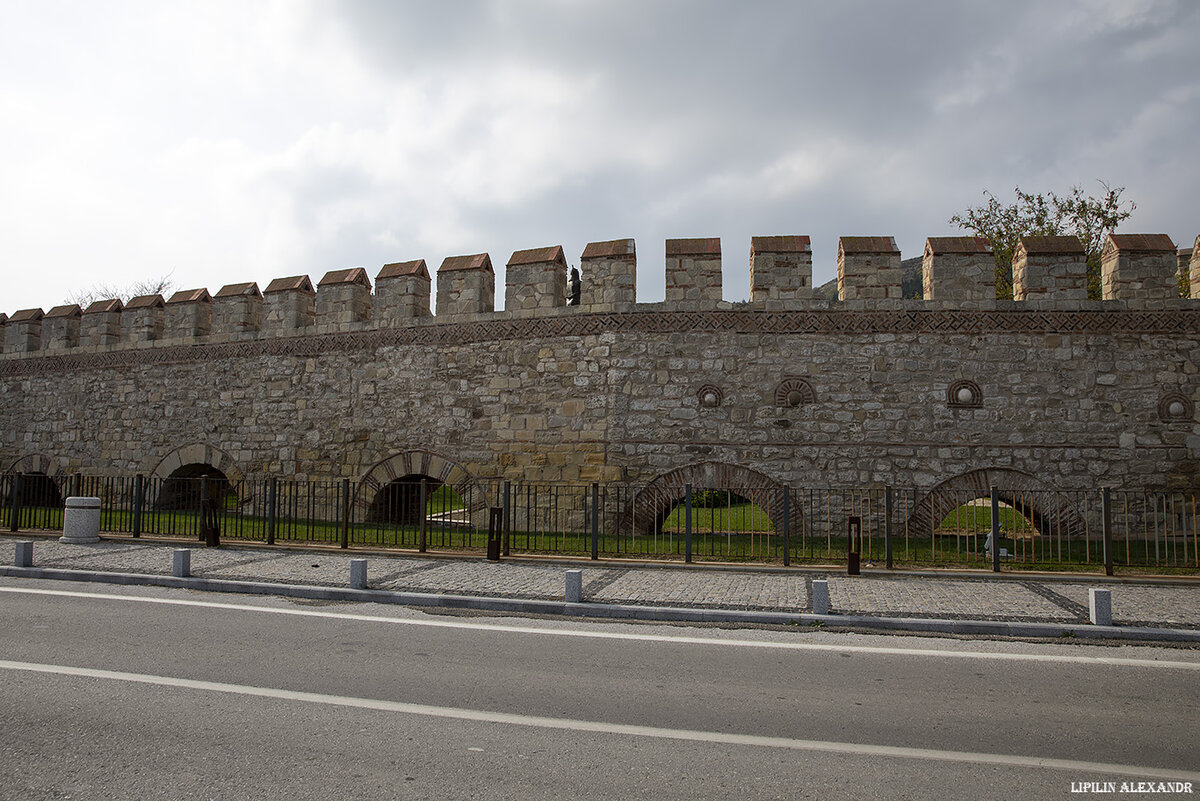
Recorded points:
(186, 485)
(399, 501)
(38, 490)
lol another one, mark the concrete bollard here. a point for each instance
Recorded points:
(820, 597)
(24, 554)
(1100, 607)
(181, 563)
(574, 586)
(81, 521)
(358, 574)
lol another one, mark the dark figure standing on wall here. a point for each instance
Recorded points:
(573, 287)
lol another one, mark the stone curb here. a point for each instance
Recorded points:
(613, 611)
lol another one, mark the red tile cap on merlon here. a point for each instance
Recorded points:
(867, 244)
(69, 310)
(547, 255)
(403, 268)
(292, 283)
(26, 316)
(145, 302)
(190, 296)
(1142, 243)
(694, 247)
(237, 290)
(947, 245)
(479, 261)
(612, 249)
(102, 306)
(1050, 245)
(780, 244)
(354, 275)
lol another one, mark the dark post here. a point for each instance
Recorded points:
(422, 536)
(887, 526)
(1106, 529)
(508, 513)
(76, 482)
(995, 530)
(853, 545)
(687, 524)
(203, 533)
(787, 545)
(15, 510)
(272, 507)
(345, 513)
(595, 521)
(139, 495)
(495, 524)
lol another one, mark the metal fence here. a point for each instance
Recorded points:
(993, 528)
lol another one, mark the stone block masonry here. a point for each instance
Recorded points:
(1050, 267)
(1052, 392)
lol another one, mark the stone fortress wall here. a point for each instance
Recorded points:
(348, 380)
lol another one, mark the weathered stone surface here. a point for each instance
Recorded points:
(609, 275)
(780, 268)
(1139, 266)
(868, 268)
(1050, 267)
(466, 285)
(536, 279)
(958, 268)
(402, 291)
(693, 278)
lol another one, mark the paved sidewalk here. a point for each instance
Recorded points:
(1167, 604)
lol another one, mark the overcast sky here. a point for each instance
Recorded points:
(218, 142)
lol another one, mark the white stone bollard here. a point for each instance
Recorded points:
(81, 521)
(1100, 607)
(820, 597)
(574, 586)
(181, 563)
(24, 554)
(358, 574)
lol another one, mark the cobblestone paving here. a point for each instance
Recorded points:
(704, 589)
(915, 596)
(942, 598)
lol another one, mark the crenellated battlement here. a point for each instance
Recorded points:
(1139, 272)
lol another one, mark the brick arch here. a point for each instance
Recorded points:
(419, 463)
(1039, 502)
(655, 501)
(197, 453)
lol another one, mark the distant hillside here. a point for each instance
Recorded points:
(910, 281)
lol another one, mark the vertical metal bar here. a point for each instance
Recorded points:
(595, 521)
(687, 525)
(272, 504)
(345, 513)
(787, 544)
(995, 530)
(139, 495)
(508, 511)
(15, 511)
(422, 536)
(1106, 529)
(887, 527)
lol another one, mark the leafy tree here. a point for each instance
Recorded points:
(1089, 218)
(86, 297)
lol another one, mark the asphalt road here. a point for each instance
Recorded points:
(152, 693)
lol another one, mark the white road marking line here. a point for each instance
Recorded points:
(630, 636)
(599, 727)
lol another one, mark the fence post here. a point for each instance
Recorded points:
(508, 512)
(687, 524)
(995, 530)
(887, 526)
(202, 524)
(787, 545)
(345, 513)
(422, 537)
(139, 496)
(15, 510)
(595, 521)
(76, 482)
(1106, 528)
(272, 505)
